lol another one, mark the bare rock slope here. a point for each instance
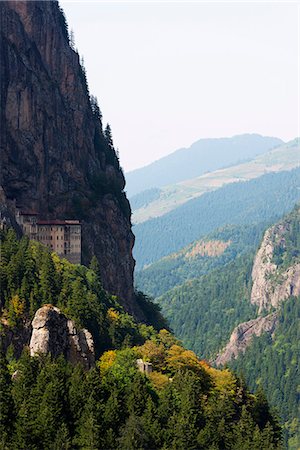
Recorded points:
(270, 287)
(243, 334)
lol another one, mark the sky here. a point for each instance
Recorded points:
(169, 73)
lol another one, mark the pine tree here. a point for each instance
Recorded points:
(72, 39)
(48, 280)
(108, 136)
(6, 402)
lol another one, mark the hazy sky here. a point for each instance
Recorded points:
(167, 74)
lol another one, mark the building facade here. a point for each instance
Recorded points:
(60, 236)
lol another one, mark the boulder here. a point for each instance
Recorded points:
(54, 333)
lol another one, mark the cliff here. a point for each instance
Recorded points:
(243, 334)
(275, 278)
(272, 284)
(55, 157)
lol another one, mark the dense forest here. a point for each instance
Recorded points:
(273, 362)
(264, 199)
(204, 311)
(47, 403)
(176, 269)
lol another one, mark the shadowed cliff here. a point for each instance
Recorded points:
(55, 156)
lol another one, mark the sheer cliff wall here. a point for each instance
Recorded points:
(55, 158)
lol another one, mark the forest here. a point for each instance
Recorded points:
(273, 362)
(204, 311)
(177, 268)
(47, 403)
(264, 199)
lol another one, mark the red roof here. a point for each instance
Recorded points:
(58, 222)
(29, 213)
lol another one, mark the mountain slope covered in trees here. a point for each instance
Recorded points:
(48, 403)
(204, 311)
(263, 199)
(200, 257)
(273, 362)
(203, 156)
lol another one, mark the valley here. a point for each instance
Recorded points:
(153, 310)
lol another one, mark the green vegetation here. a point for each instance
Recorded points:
(142, 199)
(178, 268)
(274, 364)
(32, 277)
(285, 157)
(287, 249)
(264, 199)
(47, 403)
(202, 156)
(204, 311)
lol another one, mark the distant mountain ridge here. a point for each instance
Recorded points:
(264, 198)
(202, 156)
(157, 202)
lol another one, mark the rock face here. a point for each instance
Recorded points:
(243, 334)
(269, 288)
(53, 333)
(55, 157)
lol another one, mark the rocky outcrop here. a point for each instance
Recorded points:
(55, 157)
(243, 335)
(53, 333)
(270, 284)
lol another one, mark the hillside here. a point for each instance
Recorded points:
(263, 199)
(219, 315)
(50, 400)
(203, 156)
(199, 258)
(56, 157)
(285, 157)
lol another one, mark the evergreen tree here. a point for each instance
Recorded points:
(6, 402)
(48, 288)
(108, 136)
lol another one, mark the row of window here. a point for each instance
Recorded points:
(50, 238)
(72, 247)
(66, 228)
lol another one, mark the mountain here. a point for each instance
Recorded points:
(76, 369)
(157, 202)
(55, 157)
(203, 156)
(201, 257)
(246, 315)
(263, 199)
(147, 391)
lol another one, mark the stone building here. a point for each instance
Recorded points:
(144, 367)
(60, 236)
